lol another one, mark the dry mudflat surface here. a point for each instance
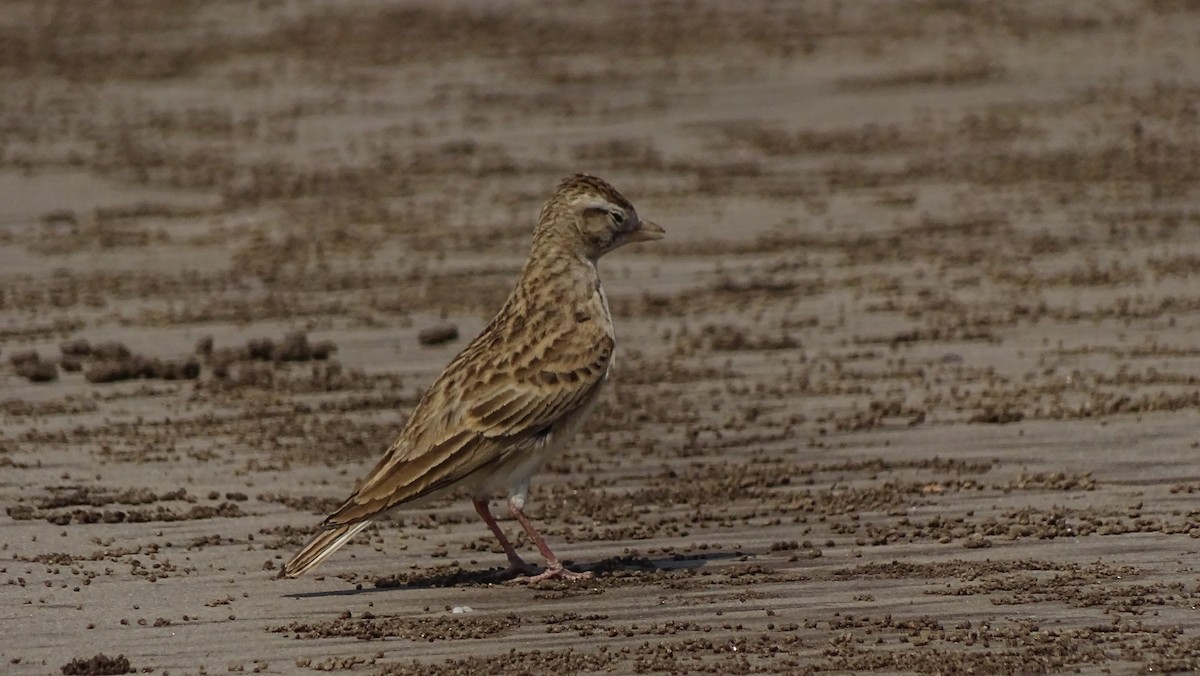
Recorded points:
(912, 385)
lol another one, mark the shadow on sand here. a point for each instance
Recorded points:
(609, 569)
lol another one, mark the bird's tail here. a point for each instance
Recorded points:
(320, 547)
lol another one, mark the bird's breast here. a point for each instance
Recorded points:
(604, 326)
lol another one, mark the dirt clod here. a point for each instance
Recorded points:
(99, 665)
(437, 335)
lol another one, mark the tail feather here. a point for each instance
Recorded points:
(320, 547)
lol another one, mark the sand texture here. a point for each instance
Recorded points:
(913, 384)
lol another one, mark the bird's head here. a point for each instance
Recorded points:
(590, 214)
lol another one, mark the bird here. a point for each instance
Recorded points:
(517, 393)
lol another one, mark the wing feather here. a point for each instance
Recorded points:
(488, 420)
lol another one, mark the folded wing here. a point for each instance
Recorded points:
(481, 422)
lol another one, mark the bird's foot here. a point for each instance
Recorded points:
(559, 572)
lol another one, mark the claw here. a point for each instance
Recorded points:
(559, 573)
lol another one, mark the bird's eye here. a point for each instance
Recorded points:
(618, 217)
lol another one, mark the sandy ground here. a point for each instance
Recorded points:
(910, 386)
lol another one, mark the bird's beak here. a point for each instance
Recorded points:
(647, 231)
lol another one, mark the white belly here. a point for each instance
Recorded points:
(513, 476)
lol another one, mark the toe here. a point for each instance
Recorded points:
(559, 573)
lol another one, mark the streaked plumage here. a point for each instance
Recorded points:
(518, 391)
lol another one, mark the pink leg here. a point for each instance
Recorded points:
(515, 561)
(553, 567)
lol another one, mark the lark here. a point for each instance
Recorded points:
(517, 393)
